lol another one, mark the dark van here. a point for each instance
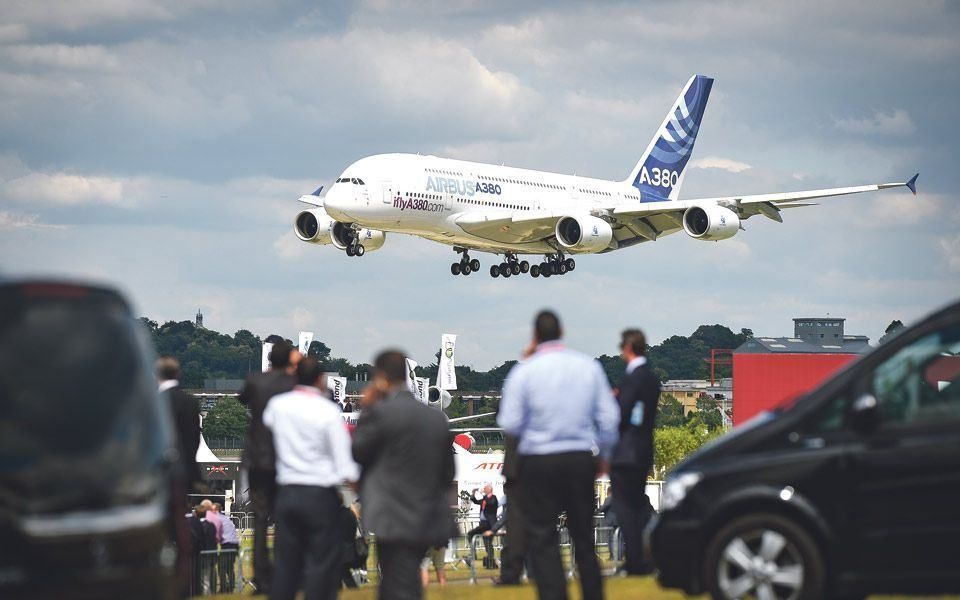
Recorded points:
(85, 448)
(850, 490)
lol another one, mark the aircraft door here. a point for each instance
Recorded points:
(388, 193)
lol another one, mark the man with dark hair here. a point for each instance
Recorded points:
(633, 454)
(558, 404)
(313, 458)
(186, 419)
(258, 454)
(404, 450)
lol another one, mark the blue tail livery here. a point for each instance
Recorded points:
(659, 173)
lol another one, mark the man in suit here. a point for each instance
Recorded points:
(633, 454)
(559, 405)
(407, 469)
(186, 419)
(514, 551)
(488, 516)
(259, 457)
(313, 458)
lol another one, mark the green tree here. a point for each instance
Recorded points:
(227, 418)
(670, 446)
(708, 414)
(670, 412)
(319, 351)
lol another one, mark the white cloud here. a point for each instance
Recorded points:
(896, 123)
(62, 56)
(13, 32)
(10, 221)
(716, 162)
(69, 14)
(950, 247)
(289, 247)
(65, 189)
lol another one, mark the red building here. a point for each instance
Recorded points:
(768, 371)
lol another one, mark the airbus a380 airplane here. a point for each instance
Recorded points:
(513, 212)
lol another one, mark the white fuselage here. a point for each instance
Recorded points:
(426, 196)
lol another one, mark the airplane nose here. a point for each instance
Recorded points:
(336, 206)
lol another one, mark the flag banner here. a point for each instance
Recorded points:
(412, 376)
(423, 389)
(338, 389)
(265, 357)
(305, 338)
(447, 376)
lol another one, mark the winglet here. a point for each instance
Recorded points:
(320, 189)
(912, 184)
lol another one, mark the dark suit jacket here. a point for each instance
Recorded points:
(488, 507)
(404, 450)
(258, 453)
(635, 446)
(186, 419)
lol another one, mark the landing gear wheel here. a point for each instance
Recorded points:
(545, 272)
(571, 264)
(504, 270)
(474, 265)
(494, 271)
(560, 267)
(515, 268)
(350, 251)
(359, 250)
(764, 556)
(465, 268)
(535, 271)
(455, 268)
(524, 266)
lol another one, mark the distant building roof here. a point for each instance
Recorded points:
(850, 344)
(222, 385)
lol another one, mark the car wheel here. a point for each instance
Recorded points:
(764, 556)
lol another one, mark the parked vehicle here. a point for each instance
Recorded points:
(85, 448)
(852, 489)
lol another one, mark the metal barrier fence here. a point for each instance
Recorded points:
(215, 572)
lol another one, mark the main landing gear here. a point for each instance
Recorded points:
(554, 264)
(355, 250)
(510, 266)
(466, 264)
(353, 245)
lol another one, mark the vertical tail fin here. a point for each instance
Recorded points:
(659, 173)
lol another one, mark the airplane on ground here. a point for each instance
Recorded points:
(513, 212)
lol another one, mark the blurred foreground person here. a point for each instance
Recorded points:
(514, 551)
(633, 455)
(258, 454)
(404, 450)
(559, 405)
(313, 457)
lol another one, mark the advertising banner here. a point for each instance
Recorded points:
(412, 376)
(265, 357)
(338, 388)
(447, 376)
(305, 338)
(423, 387)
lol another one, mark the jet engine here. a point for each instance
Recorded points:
(710, 223)
(584, 233)
(438, 398)
(317, 227)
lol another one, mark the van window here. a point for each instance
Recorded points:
(921, 382)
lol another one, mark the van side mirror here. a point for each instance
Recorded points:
(864, 414)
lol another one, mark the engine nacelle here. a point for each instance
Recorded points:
(584, 233)
(710, 223)
(317, 227)
(438, 398)
(314, 226)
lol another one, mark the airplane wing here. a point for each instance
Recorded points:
(640, 222)
(768, 205)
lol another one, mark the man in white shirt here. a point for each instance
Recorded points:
(313, 458)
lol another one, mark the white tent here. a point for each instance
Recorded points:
(204, 454)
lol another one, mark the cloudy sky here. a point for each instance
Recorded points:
(161, 146)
